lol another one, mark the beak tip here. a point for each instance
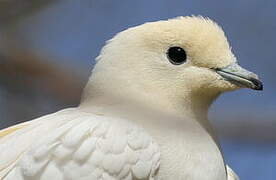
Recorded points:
(258, 85)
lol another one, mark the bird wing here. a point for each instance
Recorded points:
(79, 145)
(16, 140)
(231, 175)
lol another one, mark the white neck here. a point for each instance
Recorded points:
(182, 104)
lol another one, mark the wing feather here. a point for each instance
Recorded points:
(231, 175)
(20, 137)
(80, 145)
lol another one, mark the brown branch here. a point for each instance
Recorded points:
(28, 70)
(12, 10)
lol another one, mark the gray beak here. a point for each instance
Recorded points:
(241, 77)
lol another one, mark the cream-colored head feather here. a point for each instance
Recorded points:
(135, 63)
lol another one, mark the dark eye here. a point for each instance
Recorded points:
(176, 55)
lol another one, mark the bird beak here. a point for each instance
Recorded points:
(239, 76)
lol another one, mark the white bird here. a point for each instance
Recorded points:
(143, 115)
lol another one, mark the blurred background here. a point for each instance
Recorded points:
(47, 51)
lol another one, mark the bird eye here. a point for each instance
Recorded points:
(176, 55)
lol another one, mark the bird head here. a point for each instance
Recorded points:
(176, 57)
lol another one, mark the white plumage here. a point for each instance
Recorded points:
(71, 144)
(142, 117)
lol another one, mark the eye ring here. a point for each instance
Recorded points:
(176, 55)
